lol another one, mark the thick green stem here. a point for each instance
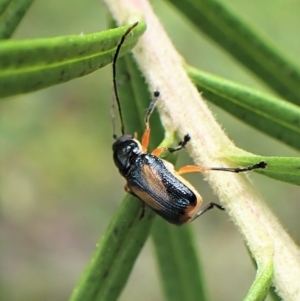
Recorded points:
(182, 110)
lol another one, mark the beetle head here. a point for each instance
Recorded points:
(125, 150)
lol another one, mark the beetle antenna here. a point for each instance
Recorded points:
(114, 78)
(113, 117)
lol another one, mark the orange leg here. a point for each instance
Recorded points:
(194, 168)
(146, 135)
(191, 168)
(145, 138)
(159, 150)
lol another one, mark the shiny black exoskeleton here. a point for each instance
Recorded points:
(153, 181)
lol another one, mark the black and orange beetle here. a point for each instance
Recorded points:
(154, 180)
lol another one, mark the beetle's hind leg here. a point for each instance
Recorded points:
(195, 168)
(146, 135)
(206, 208)
(177, 148)
(259, 165)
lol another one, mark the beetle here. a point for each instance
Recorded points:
(154, 180)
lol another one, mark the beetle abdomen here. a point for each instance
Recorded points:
(153, 183)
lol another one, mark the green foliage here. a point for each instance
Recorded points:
(112, 262)
(30, 65)
(110, 267)
(243, 43)
(11, 13)
(178, 262)
(274, 116)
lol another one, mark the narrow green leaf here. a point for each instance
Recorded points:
(262, 283)
(181, 276)
(11, 14)
(177, 262)
(35, 64)
(273, 116)
(285, 169)
(115, 254)
(3, 5)
(264, 273)
(110, 267)
(244, 44)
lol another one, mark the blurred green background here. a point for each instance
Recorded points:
(60, 188)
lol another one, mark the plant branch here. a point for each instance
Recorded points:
(183, 110)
